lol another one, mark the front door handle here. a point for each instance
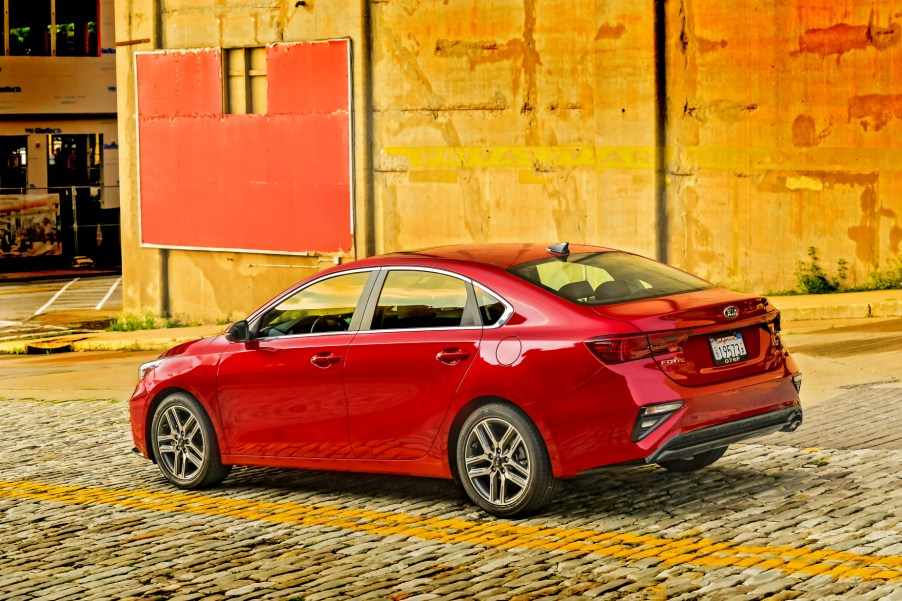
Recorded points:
(324, 359)
(452, 356)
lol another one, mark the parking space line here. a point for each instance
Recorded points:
(626, 546)
(55, 296)
(108, 295)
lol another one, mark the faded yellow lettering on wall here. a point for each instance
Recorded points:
(545, 158)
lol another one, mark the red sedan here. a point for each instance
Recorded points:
(506, 367)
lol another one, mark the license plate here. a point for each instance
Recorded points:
(728, 349)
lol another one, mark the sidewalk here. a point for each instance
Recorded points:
(849, 305)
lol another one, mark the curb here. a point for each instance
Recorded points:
(848, 311)
(88, 343)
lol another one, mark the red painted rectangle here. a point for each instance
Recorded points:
(179, 82)
(307, 77)
(279, 182)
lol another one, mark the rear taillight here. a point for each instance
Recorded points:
(629, 347)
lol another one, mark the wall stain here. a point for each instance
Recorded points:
(531, 62)
(866, 234)
(842, 37)
(805, 134)
(723, 110)
(610, 31)
(706, 46)
(697, 239)
(875, 110)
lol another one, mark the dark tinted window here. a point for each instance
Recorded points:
(491, 310)
(325, 306)
(420, 299)
(607, 277)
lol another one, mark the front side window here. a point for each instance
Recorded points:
(325, 306)
(420, 299)
(607, 277)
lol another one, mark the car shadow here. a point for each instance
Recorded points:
(636, 492)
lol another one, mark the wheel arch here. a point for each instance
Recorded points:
(469, 407)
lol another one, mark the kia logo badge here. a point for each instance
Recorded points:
(731, 312)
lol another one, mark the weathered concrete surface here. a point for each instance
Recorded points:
(784, 128)
(510, 120)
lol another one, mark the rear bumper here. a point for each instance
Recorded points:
(688, 444)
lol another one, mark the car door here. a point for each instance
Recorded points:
(418, 339)
(281, 394)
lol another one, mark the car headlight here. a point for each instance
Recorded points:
(148, 367)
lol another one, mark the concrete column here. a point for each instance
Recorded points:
(37, 163)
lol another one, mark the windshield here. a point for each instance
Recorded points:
(607, 277)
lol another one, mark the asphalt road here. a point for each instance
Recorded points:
(23, 303)
(816, 514)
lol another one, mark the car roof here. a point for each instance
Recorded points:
(500, 254)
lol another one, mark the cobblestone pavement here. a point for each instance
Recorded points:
(81, 517)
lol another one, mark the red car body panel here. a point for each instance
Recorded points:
(276, 401)
(398, 392)
(389, 404)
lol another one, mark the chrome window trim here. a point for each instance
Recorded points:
(508, 308)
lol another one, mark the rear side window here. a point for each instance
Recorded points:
(607, 277)
(420, 299)
(491, 310)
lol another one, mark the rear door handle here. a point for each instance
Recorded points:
(452, 356)
(324, 359)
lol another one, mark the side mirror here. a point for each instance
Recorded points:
(239, 332)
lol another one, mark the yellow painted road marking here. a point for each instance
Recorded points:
(34, 290)
(498, 534)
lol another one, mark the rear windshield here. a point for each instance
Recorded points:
(607, 277)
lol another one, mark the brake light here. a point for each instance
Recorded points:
(629, 347)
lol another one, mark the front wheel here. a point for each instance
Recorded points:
(503, 463)
(696, 462)
(184, 443)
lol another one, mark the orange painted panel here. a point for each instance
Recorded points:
(306, 77)
(180, 82)
(279, 182)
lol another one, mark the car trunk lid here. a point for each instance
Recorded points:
(707, 336)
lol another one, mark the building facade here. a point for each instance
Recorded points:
(262, 143)
(59, 166)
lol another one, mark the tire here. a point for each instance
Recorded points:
(694, 463)
(517, 480)
(185, 444)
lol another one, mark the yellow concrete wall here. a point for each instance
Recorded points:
(786, 120)
(506, 120)
(513, 120)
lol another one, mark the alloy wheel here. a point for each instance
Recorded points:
(497, 461)
(180, 443)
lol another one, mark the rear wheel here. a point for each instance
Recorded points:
(184, 443)
(696, 462)
(503, 463)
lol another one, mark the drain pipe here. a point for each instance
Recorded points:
(662, 222)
